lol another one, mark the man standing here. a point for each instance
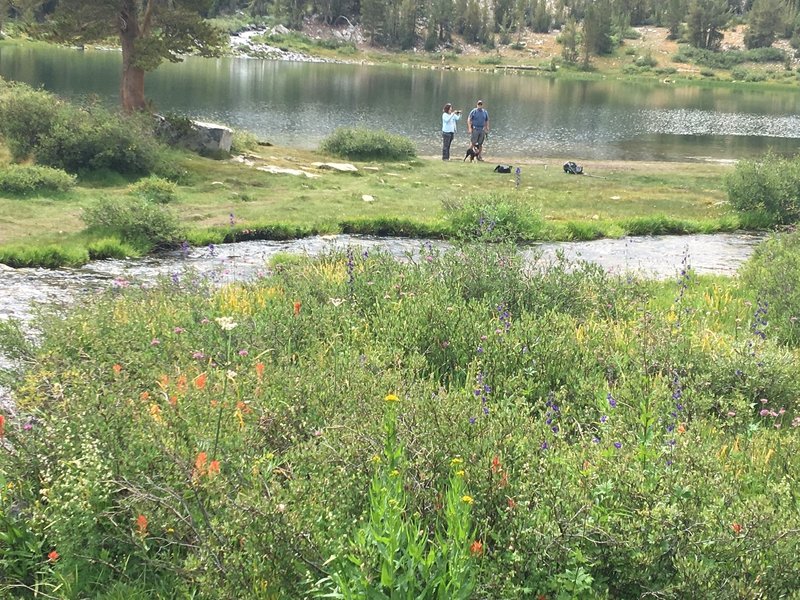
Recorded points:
(478, 127)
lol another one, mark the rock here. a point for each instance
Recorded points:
(285, 171)
(344, 167)
(195, 135)
(368, 198)
(280, 30)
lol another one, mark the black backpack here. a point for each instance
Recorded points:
(572, 169)
(502, 169)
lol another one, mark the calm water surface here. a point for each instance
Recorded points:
(297, 104)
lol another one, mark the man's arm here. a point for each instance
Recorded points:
(486, 126)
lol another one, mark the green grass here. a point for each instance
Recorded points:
(409, 197)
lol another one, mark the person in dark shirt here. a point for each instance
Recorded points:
(478, 127)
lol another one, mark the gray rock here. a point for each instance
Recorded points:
(196, 135)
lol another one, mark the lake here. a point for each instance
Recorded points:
(298, 103)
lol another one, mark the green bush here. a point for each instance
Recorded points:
(243, 141)
(135, 221)
(155, 189)
(769, 186)
(494, 217)
(27, 117)
(89, 141)
(646, 60)
(771, 276)
(28, 179)
(367, 144)
(60, 135)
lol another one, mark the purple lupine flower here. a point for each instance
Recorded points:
(611, 400)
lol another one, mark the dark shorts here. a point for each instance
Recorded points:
(478, 137)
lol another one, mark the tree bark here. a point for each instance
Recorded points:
(132, 86)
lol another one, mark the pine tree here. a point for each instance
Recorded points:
(705, 22)
(763, 23)
(373, 19)
(569, 41)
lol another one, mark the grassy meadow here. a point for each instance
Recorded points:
(451, 427)
(224, 200)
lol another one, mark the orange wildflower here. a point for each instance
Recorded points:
(476, 549)
(52, 556)
(173, 400)
(213, 468)
(182, 384)
(259, 370)
(503, 480)
(297, 306)
(682, 428)
(737, 529)
(496, 467)
(200, 381)
(144, 396)
(200, 462)
(163, 381)
(243, 407)
(141, 525)
(117, 368)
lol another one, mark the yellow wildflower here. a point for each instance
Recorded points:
(467, 499)
(392, 398)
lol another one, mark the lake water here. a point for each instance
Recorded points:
(297, 104)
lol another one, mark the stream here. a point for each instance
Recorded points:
(651, 256)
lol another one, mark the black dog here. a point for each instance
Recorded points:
(472, 153)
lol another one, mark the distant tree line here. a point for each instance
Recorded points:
(588, 26)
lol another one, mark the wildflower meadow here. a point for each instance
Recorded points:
(455, 425)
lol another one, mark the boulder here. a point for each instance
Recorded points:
(195, 135)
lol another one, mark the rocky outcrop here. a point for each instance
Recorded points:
(205, 138)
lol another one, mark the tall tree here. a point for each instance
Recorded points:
(149, 32)
(763, 22)
(597, 29)
(705, 22)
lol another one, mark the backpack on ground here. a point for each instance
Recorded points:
(572, 169)
(502, 169)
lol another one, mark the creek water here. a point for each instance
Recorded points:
(298, 104)
(652, 256)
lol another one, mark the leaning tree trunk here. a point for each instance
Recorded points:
(132, 87)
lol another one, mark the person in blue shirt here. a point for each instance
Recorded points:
(449, 118)
(478, 127)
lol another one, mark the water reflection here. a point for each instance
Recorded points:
(298, 104)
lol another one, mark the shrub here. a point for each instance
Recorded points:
(494, 217)
(771, 275)
(26, 117)
(27, 179)
(87, 141)
(66, 137)
(366, 144)
(243, 141)
(136, 221)
(646, 60)
(155, 189)
(769, 185)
